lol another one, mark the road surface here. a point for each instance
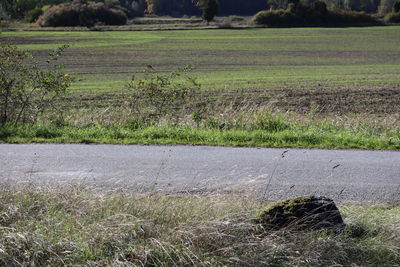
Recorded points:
(270, 174)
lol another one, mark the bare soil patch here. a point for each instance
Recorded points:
(383, 99)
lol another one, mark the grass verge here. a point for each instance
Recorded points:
(273, 134)
(73, 226)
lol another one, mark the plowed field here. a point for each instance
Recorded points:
(340, 70)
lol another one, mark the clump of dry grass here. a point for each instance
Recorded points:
(78, 226)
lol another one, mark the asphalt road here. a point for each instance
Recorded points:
(271, 174)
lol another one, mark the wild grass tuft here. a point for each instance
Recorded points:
(262, 128)
(73, 226)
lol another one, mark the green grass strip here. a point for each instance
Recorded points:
(293, 136)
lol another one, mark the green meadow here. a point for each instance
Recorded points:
(225, 59)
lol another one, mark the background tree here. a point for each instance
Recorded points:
(394, 15)
(3, 14)
(396, 7)
(210, 9)
(138, 7)
(386, 6)
(29, 10)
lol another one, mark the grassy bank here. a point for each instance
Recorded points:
(75, 226)
(276, 134)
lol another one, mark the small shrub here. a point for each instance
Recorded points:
(81, 13)
(26, 90)
(156, 95)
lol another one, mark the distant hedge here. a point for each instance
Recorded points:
(82, 13)
(315, 14)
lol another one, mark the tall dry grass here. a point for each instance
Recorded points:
(77, 226)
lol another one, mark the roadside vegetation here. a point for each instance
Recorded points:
(332, 101)
(74, 225)
(266, 130)
(26, 90)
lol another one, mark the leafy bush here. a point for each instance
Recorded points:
(275, 17)
(298, 14)
(350, 17)
(26, 90)
(82, 13)
(156, 95)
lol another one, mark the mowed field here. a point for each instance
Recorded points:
(338, 70)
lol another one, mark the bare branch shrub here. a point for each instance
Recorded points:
(26, 90)
(158, 95)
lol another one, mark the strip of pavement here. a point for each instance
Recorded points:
(270, 174)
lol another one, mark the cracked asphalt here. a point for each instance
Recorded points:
(270, 174)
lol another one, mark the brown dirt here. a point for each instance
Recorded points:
(328, 100)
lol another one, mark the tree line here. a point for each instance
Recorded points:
(31, 9)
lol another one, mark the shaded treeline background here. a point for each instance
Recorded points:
(19, 9)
